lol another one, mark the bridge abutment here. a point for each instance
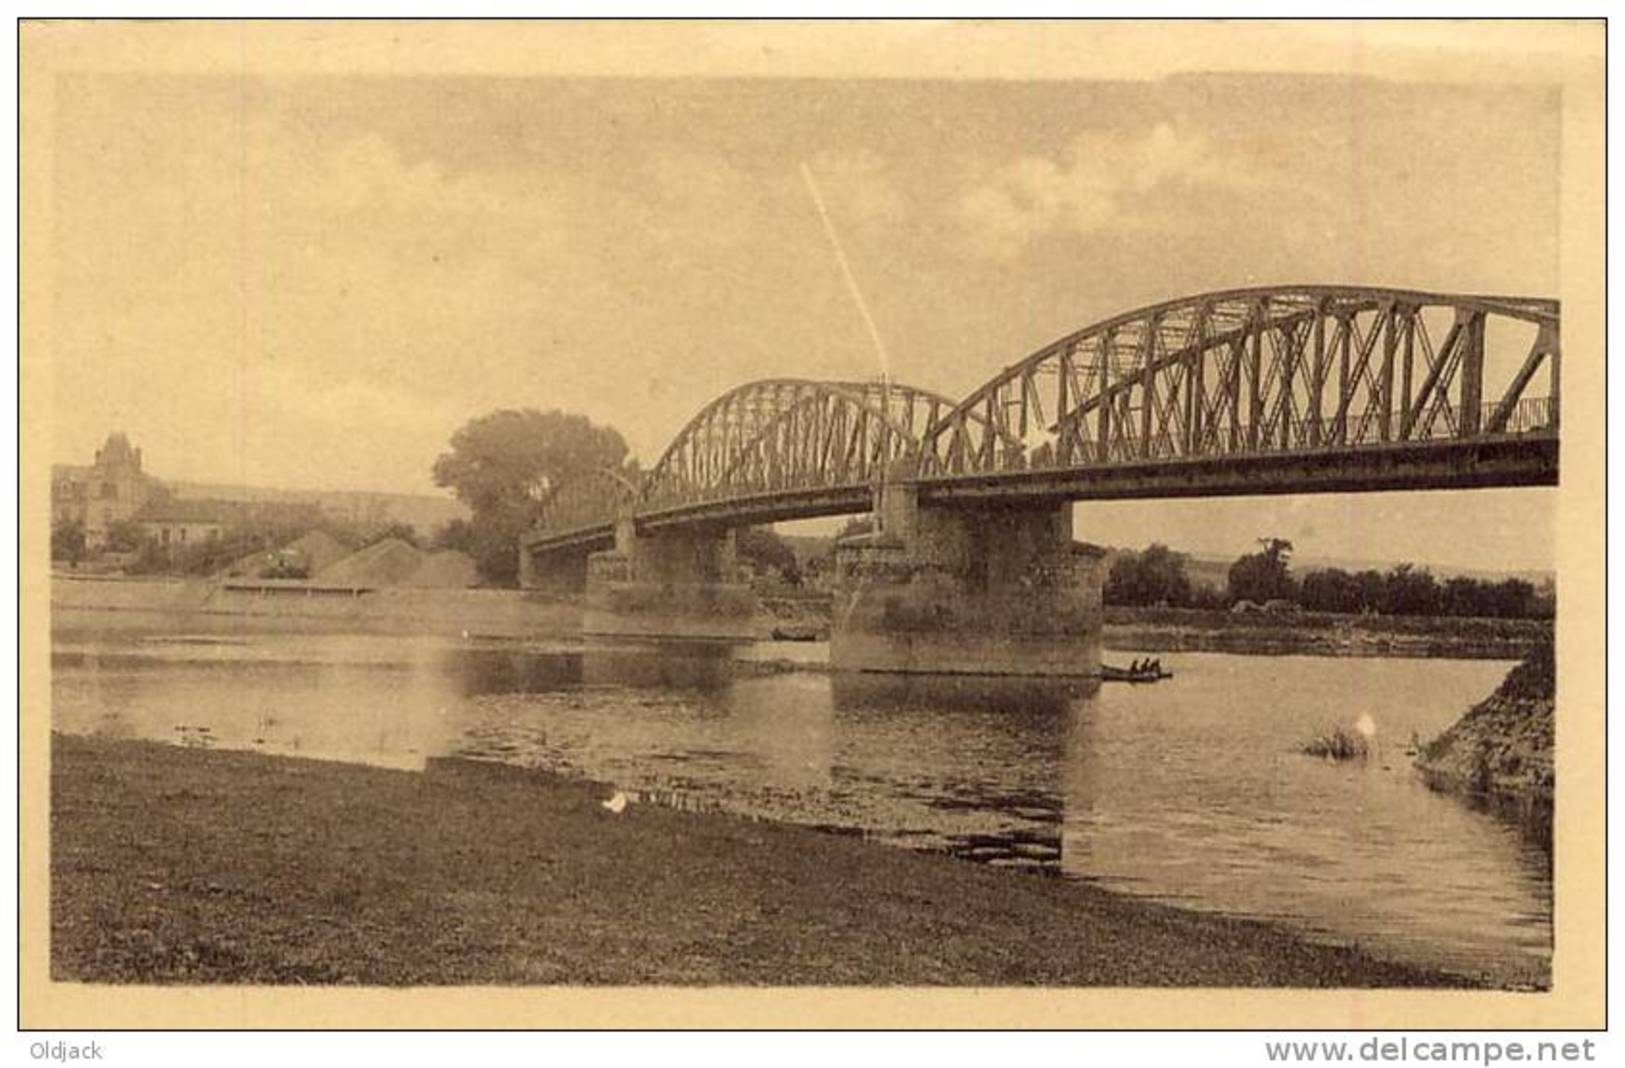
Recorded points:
(559, 574)
(963, 590)
(677, 584)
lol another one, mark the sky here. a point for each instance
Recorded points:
(312, 281)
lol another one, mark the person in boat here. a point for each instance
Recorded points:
(1155, 667)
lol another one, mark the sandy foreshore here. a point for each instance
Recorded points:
(174, 865)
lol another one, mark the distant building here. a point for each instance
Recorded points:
(111, 490)
(174, 524)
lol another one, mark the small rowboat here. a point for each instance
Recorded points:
(1117, 674)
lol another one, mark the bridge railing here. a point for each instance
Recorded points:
(1360, 429)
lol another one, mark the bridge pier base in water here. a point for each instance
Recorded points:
(963, 590)
(670, 584)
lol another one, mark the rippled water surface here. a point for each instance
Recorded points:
(1190, 791)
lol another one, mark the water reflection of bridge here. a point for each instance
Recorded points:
(816, 741)
(1043, 726)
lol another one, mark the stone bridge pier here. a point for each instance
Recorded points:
(990, 590)
(678, 583)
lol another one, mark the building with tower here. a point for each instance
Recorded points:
(111, 490)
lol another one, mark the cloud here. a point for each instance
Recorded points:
(857, 186)
(347, 402)
(365, 193)
(1098, 183)
(369, 173)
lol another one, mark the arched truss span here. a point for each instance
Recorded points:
(587, 499)
(784, 434)
(1262, 370)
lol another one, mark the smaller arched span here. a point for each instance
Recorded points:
(588, 498)
(783, 434)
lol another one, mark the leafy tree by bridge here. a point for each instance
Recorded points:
(1264, 575)
(503, 466)
(453, 534)
(765, 548)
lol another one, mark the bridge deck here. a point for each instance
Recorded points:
(1511, 460)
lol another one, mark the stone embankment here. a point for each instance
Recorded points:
(1501, 749)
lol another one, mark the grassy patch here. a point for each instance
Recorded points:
(1339, 743)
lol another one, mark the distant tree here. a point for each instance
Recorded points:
(1410, 592)
(150, 559)
(1155, 576)
(453, 534)
(1265, 575)
(1372, 589)
(504, 465)
(125, 536)
(1512, 598)
(1544, 603)
(68, 540)
(766, 549)
(1331, 590)
(1462, 596)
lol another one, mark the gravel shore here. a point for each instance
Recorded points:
(176, 865)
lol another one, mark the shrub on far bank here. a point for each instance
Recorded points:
(1339, 743)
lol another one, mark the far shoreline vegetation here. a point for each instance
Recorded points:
(1264, 581)
(503, 466)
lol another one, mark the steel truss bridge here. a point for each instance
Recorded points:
(1280, 390)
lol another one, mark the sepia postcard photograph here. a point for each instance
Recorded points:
(593, 524)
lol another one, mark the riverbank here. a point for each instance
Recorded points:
(1195, 630)
(516, 614)
(271, 605)
(1500, 751)
(176, 865)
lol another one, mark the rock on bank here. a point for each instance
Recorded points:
(1502, 747)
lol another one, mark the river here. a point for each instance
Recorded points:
(1192, 791)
